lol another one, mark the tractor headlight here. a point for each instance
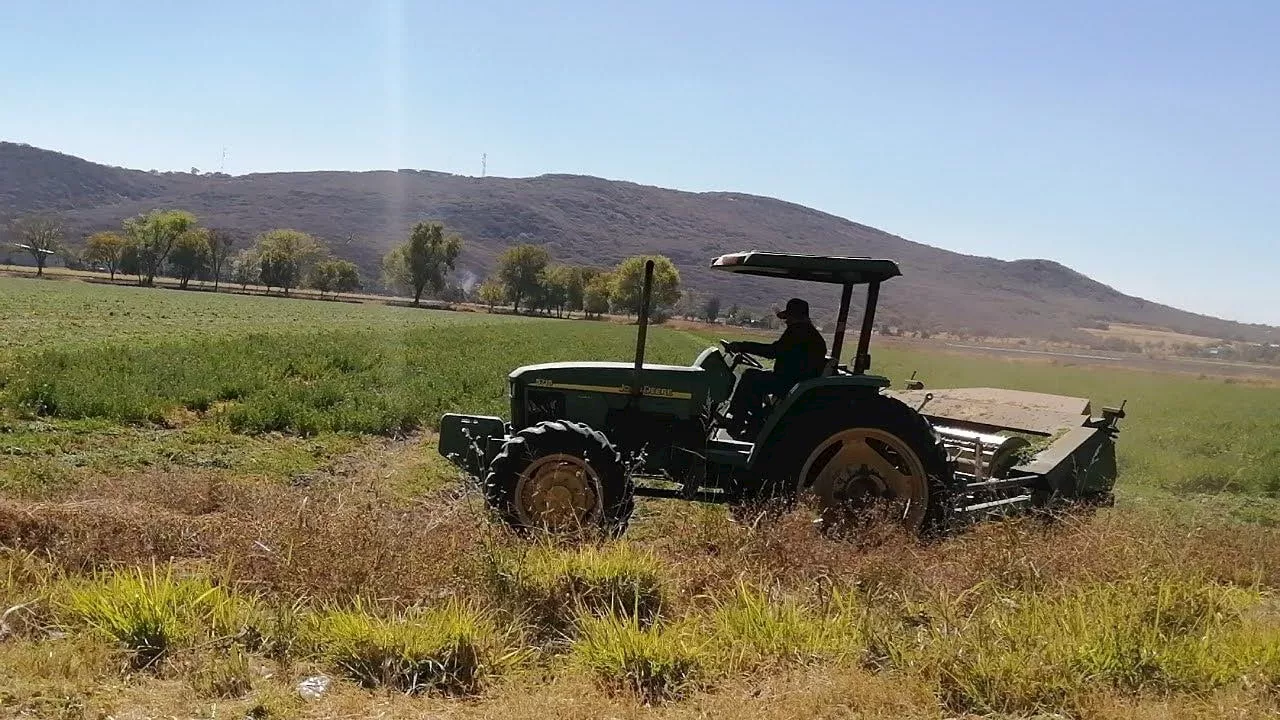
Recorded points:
(511, 389)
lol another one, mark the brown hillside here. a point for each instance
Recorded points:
(591, 220)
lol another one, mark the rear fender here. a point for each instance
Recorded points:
(809, 394)
(471, 441)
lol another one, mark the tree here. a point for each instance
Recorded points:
(284, 257)
(491, 293)
(190, 255)
(337, 276)
(108, 248)
(348, 277)
(244, 268)
(424, 261)
(711, 309)
(598, 295)
(580, 277)
(41, 236)
(153, 236)
(72, 259)
(520, 270)
(556, 281)
(220, 244)
(629, 284)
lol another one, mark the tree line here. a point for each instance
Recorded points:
(525, 278)
(173, 242)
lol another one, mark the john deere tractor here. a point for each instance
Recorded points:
(585, 438)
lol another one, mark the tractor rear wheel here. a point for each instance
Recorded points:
(869, 459)
(561, 477)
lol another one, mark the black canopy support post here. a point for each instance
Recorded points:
(862, 362)
(842, 320)
(643, 320)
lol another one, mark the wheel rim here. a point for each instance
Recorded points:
(559, 492)
(862, 473)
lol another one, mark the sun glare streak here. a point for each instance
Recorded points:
(393, 81)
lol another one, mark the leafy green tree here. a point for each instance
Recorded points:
(190, 255)
(598, 295)
(221, 243)
(40, 236)
(580, 277)
(520, 269)
(424, 261)
(153, 235)
(491, 293)
(108, 248)
(336, 276)
(629, 284)
(348, 277)
(244, 268)
(711, 309)
(556, 283)
(284, 257)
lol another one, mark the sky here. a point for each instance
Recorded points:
(1137, 142)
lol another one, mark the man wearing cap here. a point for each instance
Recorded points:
(800, 354)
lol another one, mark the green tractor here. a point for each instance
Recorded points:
(586, 438)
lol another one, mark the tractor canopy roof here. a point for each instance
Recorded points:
(810, 268)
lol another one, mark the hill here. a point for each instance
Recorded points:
(590, 220)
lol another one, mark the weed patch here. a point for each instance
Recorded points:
(556, 585)
(151, 614)
(752, 630)
(656, 663)
(453, 649)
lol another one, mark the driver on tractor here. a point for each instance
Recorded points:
(800, 354)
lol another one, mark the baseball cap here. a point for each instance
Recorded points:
(796, 308)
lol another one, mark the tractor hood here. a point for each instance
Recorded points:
(680, 382)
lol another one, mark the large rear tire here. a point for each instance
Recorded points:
(866, 459)
(561, 477)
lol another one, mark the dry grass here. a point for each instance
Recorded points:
(1123, 613)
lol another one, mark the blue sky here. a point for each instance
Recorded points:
(1138, 142)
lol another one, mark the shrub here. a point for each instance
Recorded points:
(453, 649)
(1025, 653)
(151, 614)
(555, 585)
(656, 663)
(752, 629)
(223, 675)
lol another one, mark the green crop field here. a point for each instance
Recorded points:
(206, 499)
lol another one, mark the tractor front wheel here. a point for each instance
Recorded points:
(561, 477)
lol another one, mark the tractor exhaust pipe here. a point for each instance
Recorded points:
(643, 320)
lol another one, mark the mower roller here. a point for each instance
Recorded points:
(585, 438)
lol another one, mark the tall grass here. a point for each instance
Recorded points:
(555, 586)
(452, 649)
(1023, 652)
(656, 662)
(752, 630)
(152, 613)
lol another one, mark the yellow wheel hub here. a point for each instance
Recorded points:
(559, 492)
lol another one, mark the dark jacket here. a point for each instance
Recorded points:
(800, 354)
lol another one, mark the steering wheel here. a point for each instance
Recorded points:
(743, 358)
